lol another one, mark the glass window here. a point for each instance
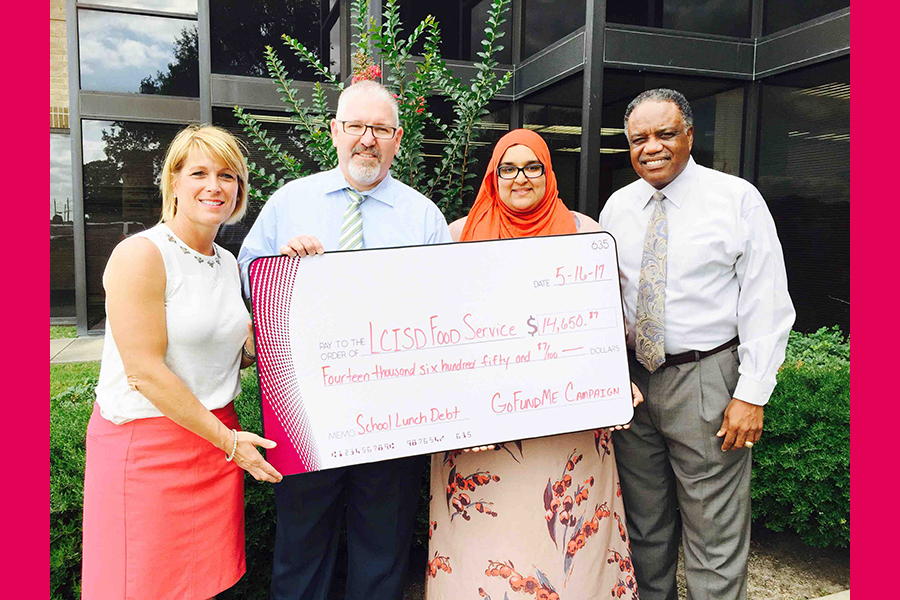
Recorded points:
(137, 53)
(241, 29)
(547, 21)
(175, 6)
(718, 108)
(787, 13)
(62, 240)
(462, 24)
(555, 113)
(702, 16)
(122, 162)
(804, 175)
(334, 49)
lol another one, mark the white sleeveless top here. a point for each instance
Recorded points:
(206, 325)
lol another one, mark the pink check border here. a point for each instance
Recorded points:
(272, 282)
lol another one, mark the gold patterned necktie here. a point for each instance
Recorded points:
(650, 330)
(351, 226)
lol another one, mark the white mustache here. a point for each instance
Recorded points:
(361, 148)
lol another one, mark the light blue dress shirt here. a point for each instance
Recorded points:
(393, 214)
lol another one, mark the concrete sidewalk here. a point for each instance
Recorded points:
(83, 349)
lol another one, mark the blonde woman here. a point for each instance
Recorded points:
(163, 498)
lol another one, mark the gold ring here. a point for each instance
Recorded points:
(748, 444)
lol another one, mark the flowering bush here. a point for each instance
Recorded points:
(382, 53)
(364, 69)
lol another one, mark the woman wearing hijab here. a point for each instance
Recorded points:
(542, 516)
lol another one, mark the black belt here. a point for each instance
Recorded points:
(695, 355)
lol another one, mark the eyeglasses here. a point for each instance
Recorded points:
(382, 132)
(531, 170)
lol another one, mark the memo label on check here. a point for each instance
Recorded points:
(377, 354)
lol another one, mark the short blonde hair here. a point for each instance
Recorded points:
(218, 145)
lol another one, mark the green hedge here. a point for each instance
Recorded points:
(801, 466)
(801, 471)
(259, 507)
(69, 414)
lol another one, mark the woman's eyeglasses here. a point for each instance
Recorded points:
(531, 170)
(382, 132)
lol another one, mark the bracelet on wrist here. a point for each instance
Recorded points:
(233, 447)
(246, 353)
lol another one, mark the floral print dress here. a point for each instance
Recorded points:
(541, 518)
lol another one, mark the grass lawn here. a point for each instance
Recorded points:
(64, 375)
(57, 332)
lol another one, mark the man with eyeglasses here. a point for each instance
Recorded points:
(708, 316)
(356, 205)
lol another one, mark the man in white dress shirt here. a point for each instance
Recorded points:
(708, 316)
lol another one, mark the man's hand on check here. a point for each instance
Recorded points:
(302, 245)
(636, 398)
(742, 425)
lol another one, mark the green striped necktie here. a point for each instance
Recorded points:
(351, 227)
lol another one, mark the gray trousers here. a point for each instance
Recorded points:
(675, 476)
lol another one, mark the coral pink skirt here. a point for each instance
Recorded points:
(163, 512)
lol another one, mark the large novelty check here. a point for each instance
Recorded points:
(370, 355)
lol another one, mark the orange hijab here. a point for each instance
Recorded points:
(491, 219)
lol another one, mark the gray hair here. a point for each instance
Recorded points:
(374, 91)
(662, 95)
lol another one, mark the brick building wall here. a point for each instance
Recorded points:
(59, 71)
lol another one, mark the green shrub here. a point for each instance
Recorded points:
(70, 411)
(822, 348)
(801, 467)
(259, 506)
